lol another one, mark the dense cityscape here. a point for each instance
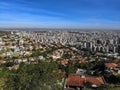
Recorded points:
(59, 44)
(60, 60)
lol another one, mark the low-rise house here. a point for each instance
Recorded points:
(41, 58)
(18, 60)
(31, 59)
(118, 72)
(79, 82)
(64, 62)
(24, 60)
(110, 66)
(2, 61)
(9, 53)
(31, 48)
(55, 57)
(112, 69)
(81, 71)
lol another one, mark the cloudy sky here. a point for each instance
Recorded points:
(60, 13)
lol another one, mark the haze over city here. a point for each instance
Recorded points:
(59, 44)
(100, 14)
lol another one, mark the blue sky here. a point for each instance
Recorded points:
(60, 13)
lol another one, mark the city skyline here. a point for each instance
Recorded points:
(60, 14)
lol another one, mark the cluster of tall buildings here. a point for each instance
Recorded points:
(97, 41)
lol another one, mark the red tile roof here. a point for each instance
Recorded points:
(76, 80)
(64, 62)
(95, 80)
(110, 65)
(2, 61)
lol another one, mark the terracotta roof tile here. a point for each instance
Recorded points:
(77, 80)
(109, 65)
(95, 80)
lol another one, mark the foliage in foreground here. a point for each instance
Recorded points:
(42, 76)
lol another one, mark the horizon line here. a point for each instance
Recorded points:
(57, 28)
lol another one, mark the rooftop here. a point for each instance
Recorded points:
(111, 65)
(79, 81)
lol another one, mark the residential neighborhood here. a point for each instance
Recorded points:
(76, 67)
